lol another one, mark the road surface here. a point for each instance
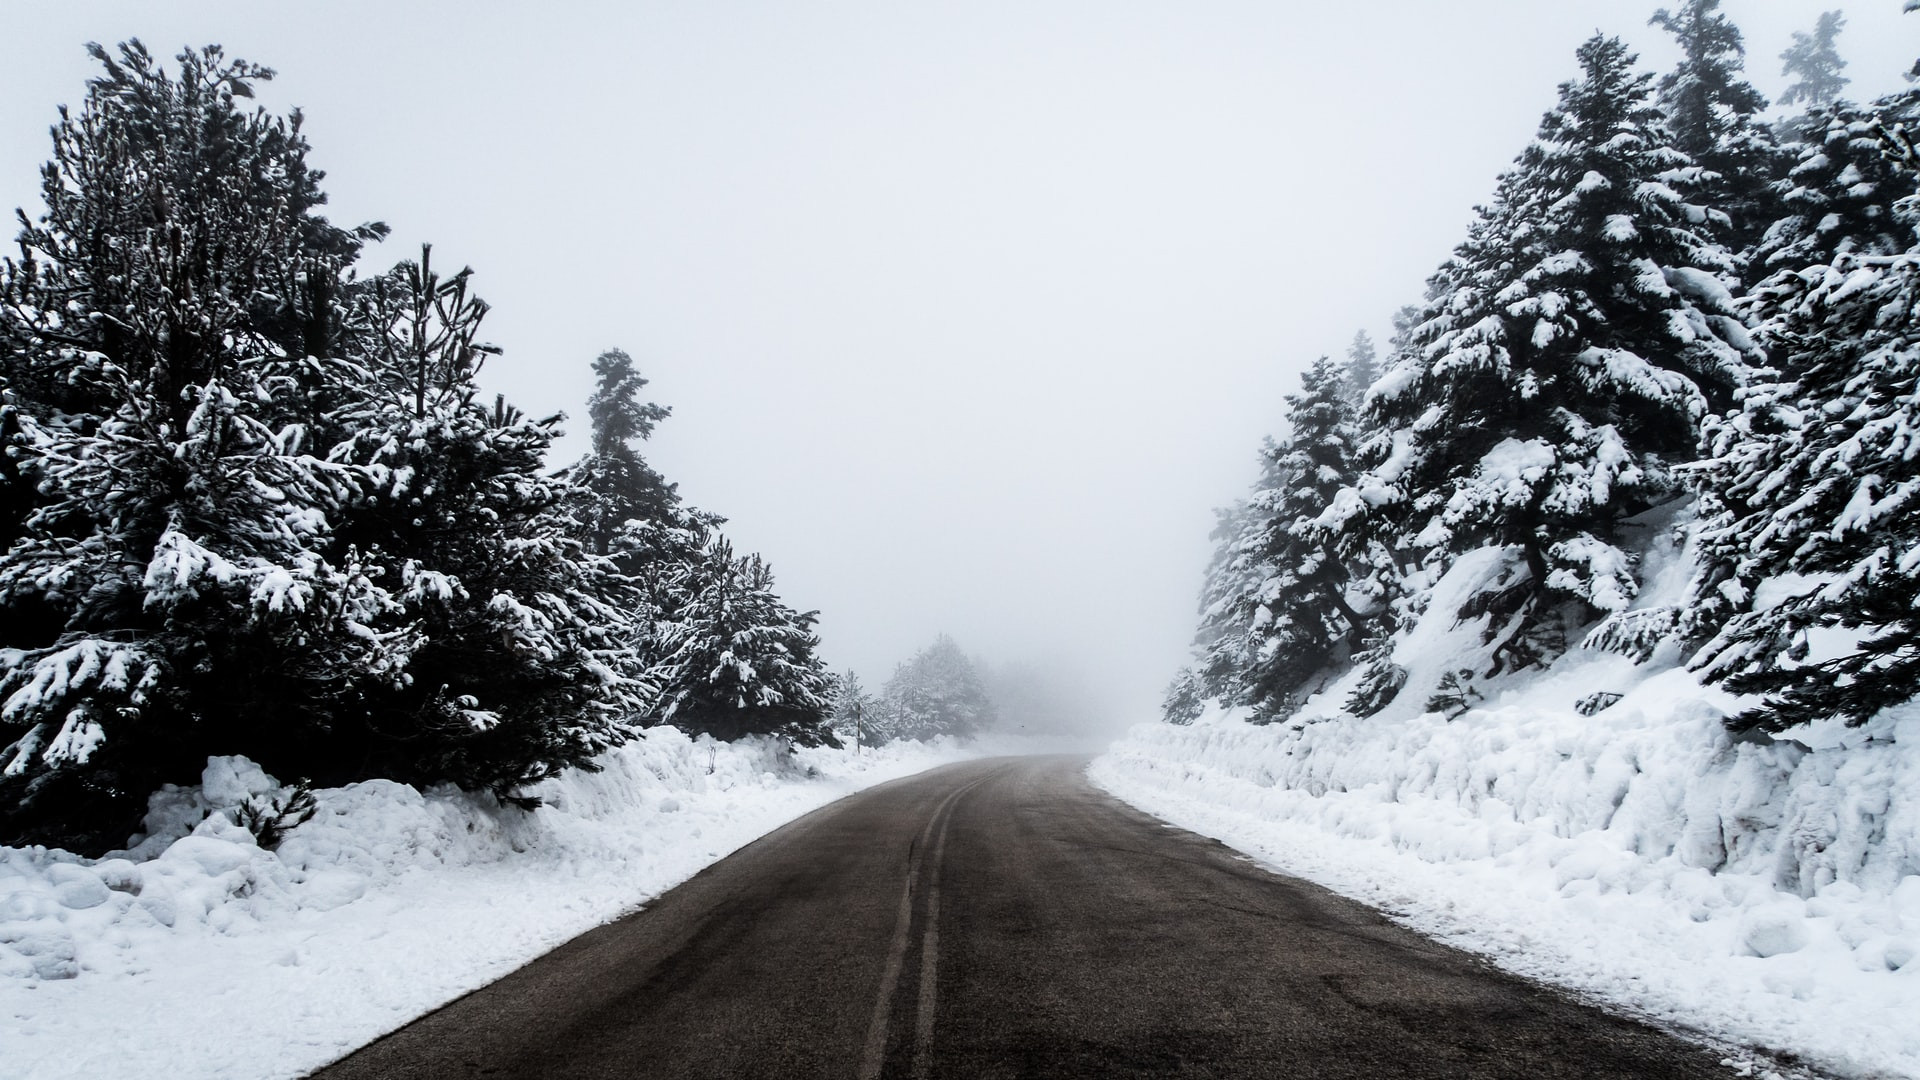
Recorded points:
(1003, 918)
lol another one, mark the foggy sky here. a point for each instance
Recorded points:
(968, 314)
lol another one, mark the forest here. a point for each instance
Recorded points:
(255, 503)
(1670, 320)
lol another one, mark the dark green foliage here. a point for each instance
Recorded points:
(616, 484)
(1276, 606)
(1706, 99)
(270, 820)
(1184, 700)
(1597, 702)
(510, 645)
(1381, 679)
(740, 662)
(1838, 195)
(1566, 355)
(1710, 111)
(1810, 575)
(164, 588)
(1455, 694)
(254, 506)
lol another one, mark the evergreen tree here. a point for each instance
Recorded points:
(616, 484)
(1362, 367)
(937, 692)
(1185, 698)
(165, 351)
(1705, 98)
(625, 511)
(1814, 64)
(1838, 197)
(1709, 108)
(513, 645)
(1567, 351)
(856, 712)
(739, 661)
(1811, 540)
(1222, 648)
(1276, 609)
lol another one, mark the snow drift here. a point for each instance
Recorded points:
(1763, 893)
(196, 954)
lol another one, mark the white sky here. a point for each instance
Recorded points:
(968, 313)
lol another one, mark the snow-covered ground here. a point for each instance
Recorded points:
(1765, 895)
(199, 955)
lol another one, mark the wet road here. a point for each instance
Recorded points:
(1003, 918)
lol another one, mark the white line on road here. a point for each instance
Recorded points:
(875, 1056)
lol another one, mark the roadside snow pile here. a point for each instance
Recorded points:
(198, 954)
(1762, 894)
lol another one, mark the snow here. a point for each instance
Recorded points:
(1764, 894)
(196, 954)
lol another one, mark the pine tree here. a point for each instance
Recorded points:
(1838, 197)
(1567, 352)
(1705, 98)
(514, 645)
(1811, 539)
(1277, 609)
(937, 692)
(168, 368)
(1814, 64)
(1184, 699)
(856, 712)
(1710, 111)
(1362, 367)
(739, 661)
(616, 484)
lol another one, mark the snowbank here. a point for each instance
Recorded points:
(1762, 894)
(197, 954)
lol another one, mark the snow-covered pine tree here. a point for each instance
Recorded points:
(1710, 112)
(1276, 610)
(856, 712)
(738, 660)
(1815, 64)
(615, 484)
(1811, 538)
(167, 338)
(1184, 700)
(1568, 350)
(1838, 197)
(937, 692)
(514, 644)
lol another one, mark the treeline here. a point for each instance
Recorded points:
(1668, 311)
(938, 691)
(253, 503)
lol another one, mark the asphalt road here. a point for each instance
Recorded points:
(1004, 919)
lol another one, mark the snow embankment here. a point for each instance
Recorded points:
(1765, 895)
(196, 954)
(1762, 893)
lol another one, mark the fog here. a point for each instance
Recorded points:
(968, 314)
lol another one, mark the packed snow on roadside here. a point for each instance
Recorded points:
(196, 954)
(1761, 893)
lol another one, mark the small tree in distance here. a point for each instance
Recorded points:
(937, 692)
(1815, 64)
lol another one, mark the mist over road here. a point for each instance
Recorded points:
(1002, 918)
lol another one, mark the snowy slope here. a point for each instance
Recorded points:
(1764, 894)
(199, 955)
